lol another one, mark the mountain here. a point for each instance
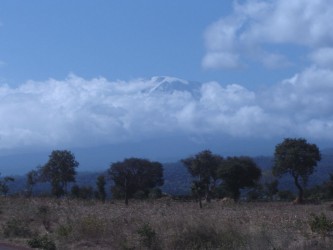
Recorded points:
(168, 84)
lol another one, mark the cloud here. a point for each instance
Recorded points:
(79, 112)
(261, 31)
(323, 57)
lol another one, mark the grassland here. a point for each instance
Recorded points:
(161, 224)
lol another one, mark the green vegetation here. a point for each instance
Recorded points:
(163, 224)
(135, 177)
(59, 171)
(237, 173)
(298, 158)
(321, 224)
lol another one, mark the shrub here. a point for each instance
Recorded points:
(64, 231)
(147, 235)
(155, 193)
(203, 236)
(140, 195)
(90, 227)
(42, 242)
(320, 224)
(16, 228)
(286, 195)
(45, 215)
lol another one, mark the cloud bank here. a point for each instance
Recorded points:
(80, 112)
(267, 31)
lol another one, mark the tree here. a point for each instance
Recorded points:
(59, 171)
(32, 179)
(203, 166)
(4, 189)
(100, 183)
(135, 175)
(298, 158)
(237, 173)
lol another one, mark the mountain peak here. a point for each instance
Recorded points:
(171, 84)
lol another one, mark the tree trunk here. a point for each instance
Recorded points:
(300, 189)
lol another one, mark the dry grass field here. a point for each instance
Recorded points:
(161, 224)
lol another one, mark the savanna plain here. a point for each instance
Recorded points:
(165, 223)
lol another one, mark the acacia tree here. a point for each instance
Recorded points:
(59, 171)
(298, 158)
(237, 173)
(133, 175)
(203, 167)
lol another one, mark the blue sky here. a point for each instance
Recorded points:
(86, 73)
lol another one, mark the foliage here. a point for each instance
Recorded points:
(204, 167)
(100, 183)
(271, 189)
(320, 224)
(133, 175)
(205, 236)
(59, 171)
(84, 192)
(44, 213)
(285, 195)
(298, 158)
(238, 173)
(323, 191)
(198, 190)
(16, 228)
(90, 227)
(42, 242)
(147, 235)
(4, 189)
(155, 193)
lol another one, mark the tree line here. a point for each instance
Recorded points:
(213, 175)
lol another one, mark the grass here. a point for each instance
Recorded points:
(161, 224)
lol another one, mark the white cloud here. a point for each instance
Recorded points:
(323, 57)
(257, 28)
(79, 112)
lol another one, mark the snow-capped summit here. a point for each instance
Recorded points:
(169, 84)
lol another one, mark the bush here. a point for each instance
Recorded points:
(205, 236)
(64, 231)
(44, 214)
(147, 236)
(42, 242)
(320, 224)
(286, 195)
(90, 227)
(155, 193)
(140, 195)
(16, 228)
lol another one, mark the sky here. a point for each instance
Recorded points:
(233, 76)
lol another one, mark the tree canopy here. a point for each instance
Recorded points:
(298, 158)
(237, 173)
(204, 167)
(59, 171)
(135, 175)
